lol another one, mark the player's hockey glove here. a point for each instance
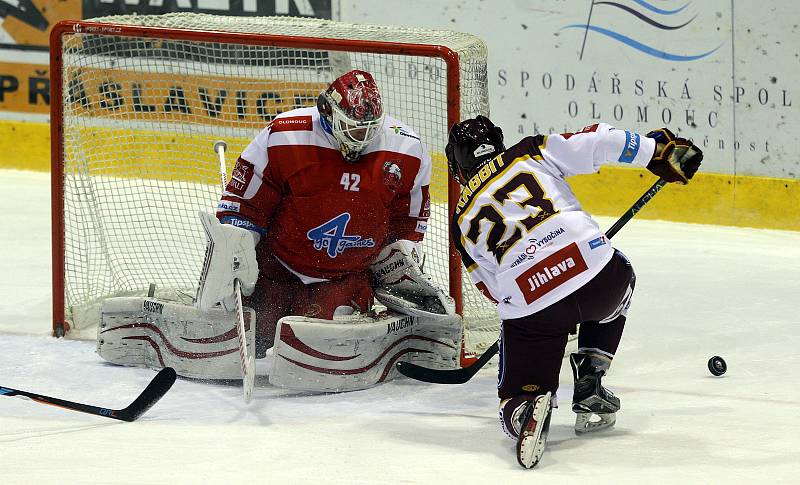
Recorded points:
(675, 159)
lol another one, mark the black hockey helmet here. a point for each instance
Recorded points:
(472, 143)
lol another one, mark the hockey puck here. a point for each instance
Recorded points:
(717, 365)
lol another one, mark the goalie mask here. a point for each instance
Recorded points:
(352, 112)
(471, 144)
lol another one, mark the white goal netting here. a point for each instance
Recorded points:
(141, 109)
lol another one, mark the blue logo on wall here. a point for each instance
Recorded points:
(331, 236)
(646, 13)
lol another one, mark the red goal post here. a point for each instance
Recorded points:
(138, 100)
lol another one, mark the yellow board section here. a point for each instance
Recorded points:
(152, 155)
(719, 199)
(25, 146)
(746, 201)
(438, 189)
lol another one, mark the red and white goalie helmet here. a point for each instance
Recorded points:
(352, 108)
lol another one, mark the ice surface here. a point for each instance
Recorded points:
(701, 291)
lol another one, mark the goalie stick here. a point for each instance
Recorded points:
(247, 362)
(154, 391)
(460, 376)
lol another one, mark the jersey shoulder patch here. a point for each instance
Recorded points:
(400, 130)
(397, 137)
(300, 127)
(291, 123)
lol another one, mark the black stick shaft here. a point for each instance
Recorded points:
(154, 391)
(636, 207)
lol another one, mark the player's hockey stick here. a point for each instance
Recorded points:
(449, 376)
(460, 376)
(154, 391)
(248, 362)
(636, 207)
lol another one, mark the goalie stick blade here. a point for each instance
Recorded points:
(451, 376)
(249, 379)
(154, 391)
(247, 361)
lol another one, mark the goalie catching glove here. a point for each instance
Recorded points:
(404, 287)
(675, 159)
(230, 255)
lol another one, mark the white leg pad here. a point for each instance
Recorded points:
(357, 351)
(149, 332)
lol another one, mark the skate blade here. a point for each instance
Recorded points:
(584, 423)
(532, 437)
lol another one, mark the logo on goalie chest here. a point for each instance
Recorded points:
(332, 237)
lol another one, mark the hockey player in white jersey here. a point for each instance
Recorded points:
(530, 247)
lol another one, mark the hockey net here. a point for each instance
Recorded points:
(139, 100)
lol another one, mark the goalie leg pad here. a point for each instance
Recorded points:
(148, 332)
(357, 351)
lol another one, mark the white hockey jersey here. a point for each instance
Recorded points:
(523, 236)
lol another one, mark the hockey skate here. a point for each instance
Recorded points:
(590, 398)
(533, 431)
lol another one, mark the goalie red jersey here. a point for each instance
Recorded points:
(321, 216)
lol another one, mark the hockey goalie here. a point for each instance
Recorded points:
(325, 212)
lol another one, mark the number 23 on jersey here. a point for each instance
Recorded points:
(535, 204)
